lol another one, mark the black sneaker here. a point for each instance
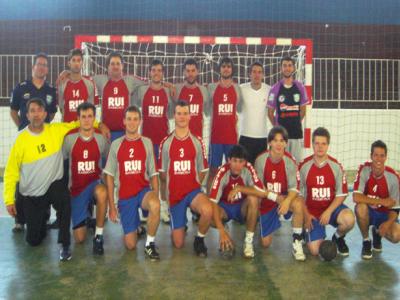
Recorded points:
(65, 253)
(18, 228)
(53, 225)
(199, 247)
(376, 240)
(98, 245)
(151, 252)
(341, 245)
(141, 232)
(366, 252)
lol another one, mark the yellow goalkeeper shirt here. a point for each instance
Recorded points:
(35, 161)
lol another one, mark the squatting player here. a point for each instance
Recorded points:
(226, 102)
(278, 171)
(183, 166)
(131, 170)
(376, 192)
(85, 148)
(324, 188)
(230, 203)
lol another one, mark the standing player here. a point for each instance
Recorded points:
(195, 94)
(376, 191)
(253, 125)
(85, 148)
(229, 203)
(31, 88)
(287, 102)
(280, 176)
(76, 89)
(226, 103)
(131, 170)
(183, 166)
(324, 188)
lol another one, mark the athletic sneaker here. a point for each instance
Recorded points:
(366, 252)
(98, 245)
(18, 228)
(297, 250)
(141, 231)
(199, 247)
(164, 213)
(248, 250)
(151, 252)
(65, 253)
(376, 240)
(342, 248)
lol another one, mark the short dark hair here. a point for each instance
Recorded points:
(156, 62)
(278, 130)
(181, 103)
(40, 55)
(288, 58)
(36, 100)
(226, 61)
(191, 62)
(321, 131)
(378, 144)
(238, 151)
(133, 108)
(114, 54)
(75, 52)
(254, 64)
(85, 106)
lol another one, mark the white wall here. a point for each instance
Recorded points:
(352, 133)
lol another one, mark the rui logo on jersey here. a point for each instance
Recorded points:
(116, 102)
(86, 167)
(239, 195)
(132, 167)
(225, 109)
(73, 104)
(182, 167)
(194, 109)
(276, 187)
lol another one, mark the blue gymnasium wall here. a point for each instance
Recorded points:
(384, 12)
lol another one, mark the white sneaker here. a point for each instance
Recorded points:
(297, 251)
(248, 250)
(164, 213)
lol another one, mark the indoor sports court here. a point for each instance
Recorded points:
(348, 60)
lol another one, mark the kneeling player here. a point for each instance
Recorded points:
(376, 191)
(130, 167)
(183, 165)
(230, 203)
(278, 171)
(324, 188)
(84, 148)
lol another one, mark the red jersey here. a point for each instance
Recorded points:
(155, 110)
(226, 102)
(279, 177)
(320, 185)
(85, 157)
(387, 185)
(71, 94)
(198, 99)
(224, 182)
(132, 164)
(182, 160)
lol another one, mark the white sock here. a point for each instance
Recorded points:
(297, 230)
(149, 239)
(99, 231)
(249, 237)
(366, 239)
(199, 234)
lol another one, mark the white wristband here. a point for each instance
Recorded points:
(272, 196)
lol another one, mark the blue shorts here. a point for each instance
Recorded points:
(269, 222)
(376, 218)
(129, 211)
(80, 204)
(233, 211)
(178, 211)
(116, 134)
(318, 232)
(156, 148)
(217, 151)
